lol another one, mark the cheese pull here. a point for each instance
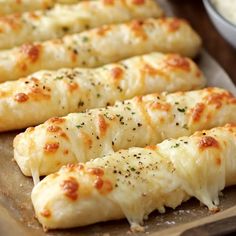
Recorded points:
(20, 6)
(132, 183)
(141, 121)
(67, 19)
(57, 93)
(100, 46)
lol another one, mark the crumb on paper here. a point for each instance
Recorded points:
(135, 228)
(214, 210)
(170, 222)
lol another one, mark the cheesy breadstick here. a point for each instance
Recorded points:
(99, 46)
(19, 6)
(67, 19)
(143, 120)
(57, 93)
(132, 183)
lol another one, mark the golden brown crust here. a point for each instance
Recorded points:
(208, 142)
(51, 147)
(70, 188)
(198, 111)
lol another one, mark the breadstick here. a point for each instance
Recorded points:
(68, 19)
(132, 183)
(20, 6)
(99, 46)
(141, 121)
(57, 93)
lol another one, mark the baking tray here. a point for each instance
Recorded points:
(17, 215)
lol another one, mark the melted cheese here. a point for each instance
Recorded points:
(67, 19)
(57, 93)
(90, 48)
(80, 137)
(132, 183)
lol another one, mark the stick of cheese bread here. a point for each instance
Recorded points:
(57, 93)
(132, 183)
(67, 19)
(141, 121)
(19, 6)
(99, 46)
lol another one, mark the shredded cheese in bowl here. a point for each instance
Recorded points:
(227, 8)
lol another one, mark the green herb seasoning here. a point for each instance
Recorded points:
(181, 109)
(175, 146)
(58, 78)
(85, 39)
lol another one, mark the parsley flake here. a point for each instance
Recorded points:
(175, 146)
(85, 39)
(58, 78)
(181, 109)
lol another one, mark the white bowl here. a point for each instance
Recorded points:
(225, 28)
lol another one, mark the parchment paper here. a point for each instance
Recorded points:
(16, 213)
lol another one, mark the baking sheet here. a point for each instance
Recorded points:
(16, 212)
